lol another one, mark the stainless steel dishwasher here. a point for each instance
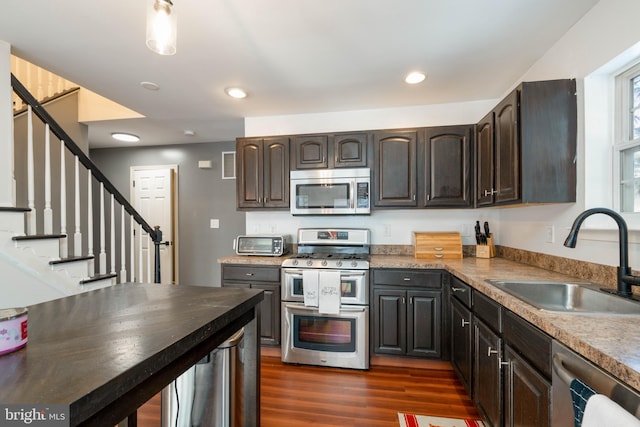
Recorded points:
(568, 365)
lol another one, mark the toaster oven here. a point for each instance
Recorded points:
(262, 245)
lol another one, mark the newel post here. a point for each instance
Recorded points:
(157, 241)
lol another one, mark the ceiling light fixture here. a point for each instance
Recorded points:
(161, 27)
(415, 77)
(150, 85)
(125, 137)
(236, 92)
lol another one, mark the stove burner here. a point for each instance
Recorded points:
(329, 256)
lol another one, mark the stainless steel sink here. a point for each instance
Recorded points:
(567, 297)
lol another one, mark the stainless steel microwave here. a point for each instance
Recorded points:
(330, 191)
(263, 244)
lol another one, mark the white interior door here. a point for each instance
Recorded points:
(153, 191)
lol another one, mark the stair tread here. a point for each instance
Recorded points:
(13, 209)
(71, 259)
(39, 237)
(98, 277)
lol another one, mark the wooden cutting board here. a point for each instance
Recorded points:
(437, 244)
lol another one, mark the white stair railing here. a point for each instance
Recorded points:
(39, 172)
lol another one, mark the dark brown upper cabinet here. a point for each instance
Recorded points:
(262, 173)
(445, 166)
(395, 168)
(310, 152)
(484, 161)
(527, 146)
(350, 150)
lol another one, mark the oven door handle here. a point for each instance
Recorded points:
(298, 273)
(343, 308)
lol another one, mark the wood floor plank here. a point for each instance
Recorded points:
(295, 395)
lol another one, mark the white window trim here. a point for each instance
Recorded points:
(622, 128)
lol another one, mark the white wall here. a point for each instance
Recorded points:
(604, 33)
(7, 193)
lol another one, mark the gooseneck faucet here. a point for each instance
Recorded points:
(625, 278)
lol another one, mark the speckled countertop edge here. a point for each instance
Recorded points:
(611, 342)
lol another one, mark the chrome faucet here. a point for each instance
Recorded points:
(625, 278)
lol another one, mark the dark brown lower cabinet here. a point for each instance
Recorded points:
(407, 313)
(407, 323)
(527, 393)
(487, 381)
(265, 278)
(462, 342)
(507, 366)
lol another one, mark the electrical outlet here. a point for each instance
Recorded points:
(466, 230)
(214, 223)
(550, 234)
(387, 230)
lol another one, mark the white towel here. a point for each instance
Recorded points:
(329, 292)
(310, 287)
(602, 412)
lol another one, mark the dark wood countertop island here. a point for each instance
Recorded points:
(104, 353)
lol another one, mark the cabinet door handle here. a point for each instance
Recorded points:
(407, 279)
(410, 300)
(491, 351)
(438, 255)
(465, 323)
(502, 363)
(404, 300)
(248, 274)
(438, 249)
(490, 192)
(454, 289)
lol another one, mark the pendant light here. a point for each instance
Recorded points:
(161, 27)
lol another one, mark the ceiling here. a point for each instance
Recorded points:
(291, 56)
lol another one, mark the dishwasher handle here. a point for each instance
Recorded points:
(561, 370)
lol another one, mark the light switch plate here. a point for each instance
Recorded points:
(215, 223)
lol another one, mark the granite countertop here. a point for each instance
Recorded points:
(609, 341)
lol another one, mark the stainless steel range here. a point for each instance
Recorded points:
(312, 332)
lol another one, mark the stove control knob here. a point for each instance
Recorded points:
(324, 263)
(295, 262)
(339, 264)
(354, 263)
(309, 263)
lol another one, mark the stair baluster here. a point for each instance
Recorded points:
(31, 194)
(64, 243)
(48, 211)
(77, 236)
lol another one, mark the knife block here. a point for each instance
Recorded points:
(488, 250)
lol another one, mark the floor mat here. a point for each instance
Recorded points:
(410, 420)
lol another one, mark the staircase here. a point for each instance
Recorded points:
(33, 270)
(64, 190)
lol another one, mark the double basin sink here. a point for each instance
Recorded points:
(567, 297)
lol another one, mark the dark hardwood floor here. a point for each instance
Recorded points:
(297, 395)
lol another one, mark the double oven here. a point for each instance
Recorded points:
(309, 335)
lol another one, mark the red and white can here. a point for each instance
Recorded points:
(13, 329)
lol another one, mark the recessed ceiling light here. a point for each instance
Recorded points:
(150, 85)
(415, 77)
(125, 137)
(236, 92)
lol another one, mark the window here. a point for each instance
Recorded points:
(627, 145)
